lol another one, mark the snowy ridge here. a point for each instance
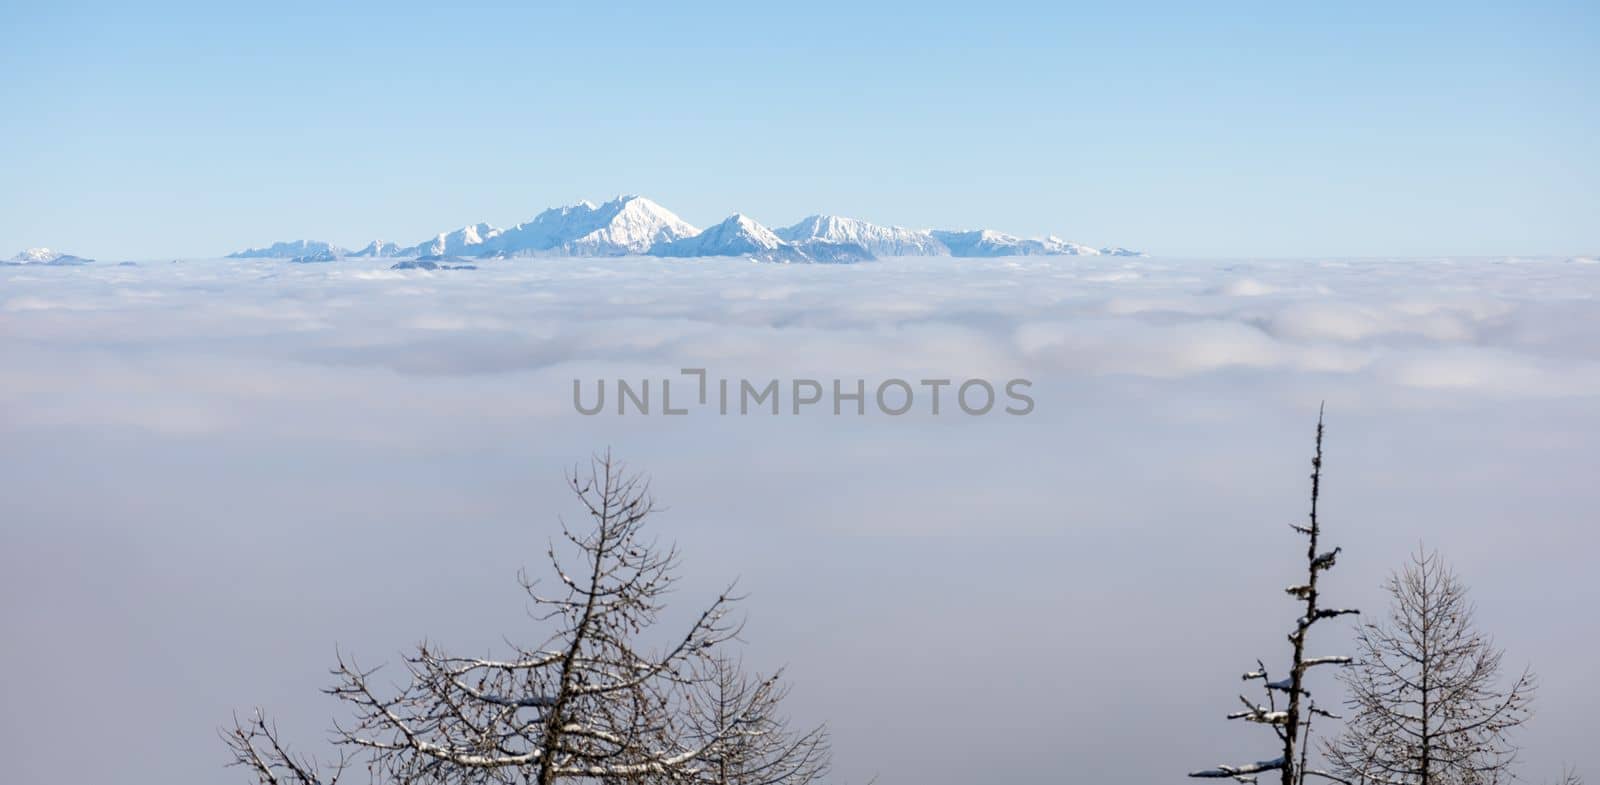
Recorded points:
(878, 240)
(380, 249)
(319, 256)
(741, 235)
(289, 250)
(987, 242)
(467, 239)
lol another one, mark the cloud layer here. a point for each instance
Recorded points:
(219, 470)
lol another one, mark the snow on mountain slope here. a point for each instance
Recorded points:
(47, 256)
(632, 225)
(989, 243)
(547, 231)
(36, 256)
(741, 235)
(877, 240)
(466, 240)
(824, 252)
(289, 250)
(897, 241)
(379, 249)
(981, 242)
(622, 226)
(1055, 246)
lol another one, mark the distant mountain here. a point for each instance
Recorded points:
(429, 264)
(824, 252)
(379, 249)
(47, 257)
(625, 225)
(897, 241)
(466, 240)
(741, 235)
(1055, 246)
(313, 258)
(989, 243)
(289, 250)
(877, 240)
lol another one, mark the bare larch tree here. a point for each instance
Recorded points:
(1289, 710)
(591, 703)
(764, 751)
(1426, 707)
(1569, 776)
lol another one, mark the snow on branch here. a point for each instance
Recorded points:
(1221, 772)
(1325, 561)
(1260, 714)
(1327, 775)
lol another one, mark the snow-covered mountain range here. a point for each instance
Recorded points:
(634, 225)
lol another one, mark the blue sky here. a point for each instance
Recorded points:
(1275, 129)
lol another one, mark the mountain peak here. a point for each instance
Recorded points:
(46, 256)
(380, 249)
(741, 226)
(36, 255)
(628, 224)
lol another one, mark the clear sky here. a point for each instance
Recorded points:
(1270, 129)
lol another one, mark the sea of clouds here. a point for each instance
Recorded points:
(217, 471)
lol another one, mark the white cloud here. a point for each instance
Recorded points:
(219, 441)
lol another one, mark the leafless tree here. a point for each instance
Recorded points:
(763, 750)
(1424, 701)
(256, 746)
(1569, 776)
(591, 703)
(1289, 709)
